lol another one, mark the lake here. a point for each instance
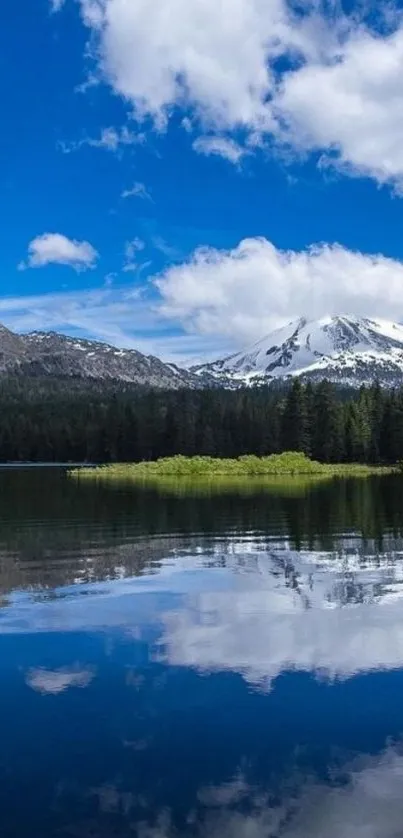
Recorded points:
(200, 663)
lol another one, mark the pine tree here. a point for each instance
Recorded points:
(353, 434)
(327, 425)
(377, 407)
(295, 433)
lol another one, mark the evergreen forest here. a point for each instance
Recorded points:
(75, 421)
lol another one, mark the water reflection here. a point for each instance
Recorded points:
(365, 802)
(270, 621)
(55, 681)
(200, 666)
(256, 615)
(54, 532)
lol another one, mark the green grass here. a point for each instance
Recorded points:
(290, 463)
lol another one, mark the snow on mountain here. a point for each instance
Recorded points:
(49, 354)
(345, 349)
(348, 350)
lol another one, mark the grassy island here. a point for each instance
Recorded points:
(289, 463)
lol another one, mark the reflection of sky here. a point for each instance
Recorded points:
(107, 708)
(367, 805)
(290, 611)
(257, 613)
(55, 681)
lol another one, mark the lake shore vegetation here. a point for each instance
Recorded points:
(287, 464)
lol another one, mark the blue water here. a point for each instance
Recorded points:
(200, 665)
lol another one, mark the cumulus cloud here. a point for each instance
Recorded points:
(216, 302)
(337, 88)
(352, 107)
(219, 146)
(55, 681)
(56, 249)
(138, 190)
(210, 53)
(245, 292)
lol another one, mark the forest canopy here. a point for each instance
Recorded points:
(67, 421)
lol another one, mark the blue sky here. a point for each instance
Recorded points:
(185, 180)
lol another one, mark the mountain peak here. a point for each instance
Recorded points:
(347, 349)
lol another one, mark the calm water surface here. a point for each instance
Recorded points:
(178, 664)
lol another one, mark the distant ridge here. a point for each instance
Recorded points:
(43, 354)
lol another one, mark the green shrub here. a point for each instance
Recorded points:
(287, 463)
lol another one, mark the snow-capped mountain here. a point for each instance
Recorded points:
(347, 350)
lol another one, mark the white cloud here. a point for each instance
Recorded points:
(243, 293)
(55, 681)
(56, 5)
(219, 146)
(110, 139)
(214, 303)
(168, 250)
(123, 316)
(211, 54)
(138, 190)
(89, 82)
(54, 248)
(117, 315)
(187, 124)
(132, 248)
(337, 89)
(109, 279)
(353, 107)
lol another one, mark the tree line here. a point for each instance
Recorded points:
(69, 421)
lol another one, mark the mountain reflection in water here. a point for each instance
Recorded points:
(201, 664)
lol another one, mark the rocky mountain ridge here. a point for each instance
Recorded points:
(43, 354)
